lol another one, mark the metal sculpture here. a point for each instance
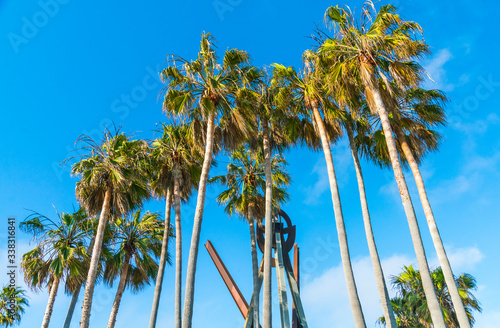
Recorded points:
(283, 242)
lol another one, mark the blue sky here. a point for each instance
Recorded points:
(70, 68)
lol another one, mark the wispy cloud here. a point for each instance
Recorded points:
(342, 160)
(314, 192)
(473, 175)
(326, 300)
(464, 259)
(435, 68)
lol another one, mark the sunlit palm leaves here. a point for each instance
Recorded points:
(245, 183)
(13, 303)
(114, 163)
(137, 238)
(60, 252)
(411, 308)
(202, 87)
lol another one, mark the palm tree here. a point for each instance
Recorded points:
(203, 90)
(418, 112)
(13, 302)
(382, 47)
(180, 162)
(353, 123)
(89, 225)
(275, 131)
(245, 182)
(60, 253)
(308, 94)
(112, 183)
(138, 241)
(410, 304)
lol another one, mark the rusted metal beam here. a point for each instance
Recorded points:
(228, 280)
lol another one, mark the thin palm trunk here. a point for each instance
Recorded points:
(198, 217)
(178, 256)
(94, 262)
(359, 320)
(458, 305)
(50, 303)
(76, 294)
(267, 297)
(430, 293)
(119, 292)
(162, 263)
(255, 267)
(390, 320)
(71, 309)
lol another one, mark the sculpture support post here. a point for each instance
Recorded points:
(284, 268)
(296, 273)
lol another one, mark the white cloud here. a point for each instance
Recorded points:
(314, 192)
(435, 68)
(464, 259)
(326, 301)
(342, 161)
(478, 126)
(475, 172)
(488, 319)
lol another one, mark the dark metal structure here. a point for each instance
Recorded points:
(283, 241)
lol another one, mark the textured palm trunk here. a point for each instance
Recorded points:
(178, 256)
(462, 317)
(119, 292)
(377, 267)
(76, 294)
(187, 316)
(163, 262)
(359, 320)
(50, 303)
(255, 267)
(430, 293)
(94, 262)
(71, 309)
(268, 245)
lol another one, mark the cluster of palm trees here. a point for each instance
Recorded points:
(363, 79)
(13, 302)
(410, 307)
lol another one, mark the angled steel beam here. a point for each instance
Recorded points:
(249, 318)
(228, 280)
(296, 298)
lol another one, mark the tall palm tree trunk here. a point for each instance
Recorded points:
(359, 320)
(94, 262)
(377, 266)
(430, 293)
(50, 303)
(178, 256)
(255, 267)
(268, 245)
(119, 292)
(71, 309)
(462, 316)
(162, 263)
(198, 217)
(76, 294)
